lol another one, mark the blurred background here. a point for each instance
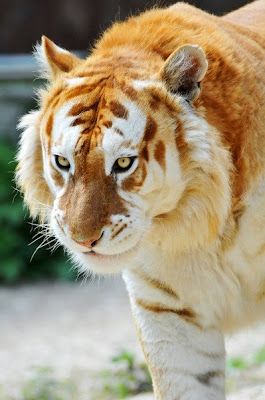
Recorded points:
(60, 340)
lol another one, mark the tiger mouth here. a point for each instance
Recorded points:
(99, 256)
(94, 254)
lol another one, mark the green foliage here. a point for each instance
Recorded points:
(45, 387)
(259, 356)
(240, 363)
(240, 369)
(126, 358)
(236, 363)
(17, 233)
(127, 378)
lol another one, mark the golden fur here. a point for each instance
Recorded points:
(181, 95)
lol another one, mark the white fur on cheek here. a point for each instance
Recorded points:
(163, 188)
(64, 133)
(64, 139)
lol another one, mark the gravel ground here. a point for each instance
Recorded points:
(76, 329)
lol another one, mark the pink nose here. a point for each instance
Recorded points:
(89, 243)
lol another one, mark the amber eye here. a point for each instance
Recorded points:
(123, 164)
(62, 162)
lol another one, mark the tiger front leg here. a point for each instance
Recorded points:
(186, 359)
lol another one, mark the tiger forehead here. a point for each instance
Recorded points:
(114, 115)
(96, 119)
(91, 98)
(92, 103)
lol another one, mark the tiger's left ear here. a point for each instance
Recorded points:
(53, 59)
(184, 70)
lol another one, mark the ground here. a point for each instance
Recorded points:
(75, 329)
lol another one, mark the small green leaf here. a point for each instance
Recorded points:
(237, 363)
(126, 357)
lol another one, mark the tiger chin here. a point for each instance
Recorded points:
(148, 158)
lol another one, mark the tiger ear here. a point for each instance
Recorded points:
(53, 59)
(184, 70)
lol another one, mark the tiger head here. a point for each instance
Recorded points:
(118, 154)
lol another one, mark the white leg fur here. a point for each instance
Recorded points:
(186, 360)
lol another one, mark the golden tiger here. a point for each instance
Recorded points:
(148, 158)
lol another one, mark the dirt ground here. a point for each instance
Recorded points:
(75, 329)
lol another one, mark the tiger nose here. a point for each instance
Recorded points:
(89, 243)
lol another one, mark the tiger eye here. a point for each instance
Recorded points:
(62, 162)
(123, 162)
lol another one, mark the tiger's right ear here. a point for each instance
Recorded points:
(54, 60)
(184, 70)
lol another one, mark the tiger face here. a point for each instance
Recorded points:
(111, 152)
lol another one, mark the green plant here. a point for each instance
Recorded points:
(259, 356)
(236, 363)
(125, 379)
(238, 368)
(43, 386)
(16, 233)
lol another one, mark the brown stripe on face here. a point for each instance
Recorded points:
(107, 124)
(134, 183)
(87, 116)
(145, 153)
(86, 131)
(185, 313)
(160, 151)
(117, 130)
(49, 125)
(150, 129)
(77, 91)
(156, 284)
(118, 109)
(155, 101)
(85, 89)
(78, 109)
(53, 101)
(119, 231)
(130, 92)
(82, 147)
(78, 121)
(94, 106)
(182, 145)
